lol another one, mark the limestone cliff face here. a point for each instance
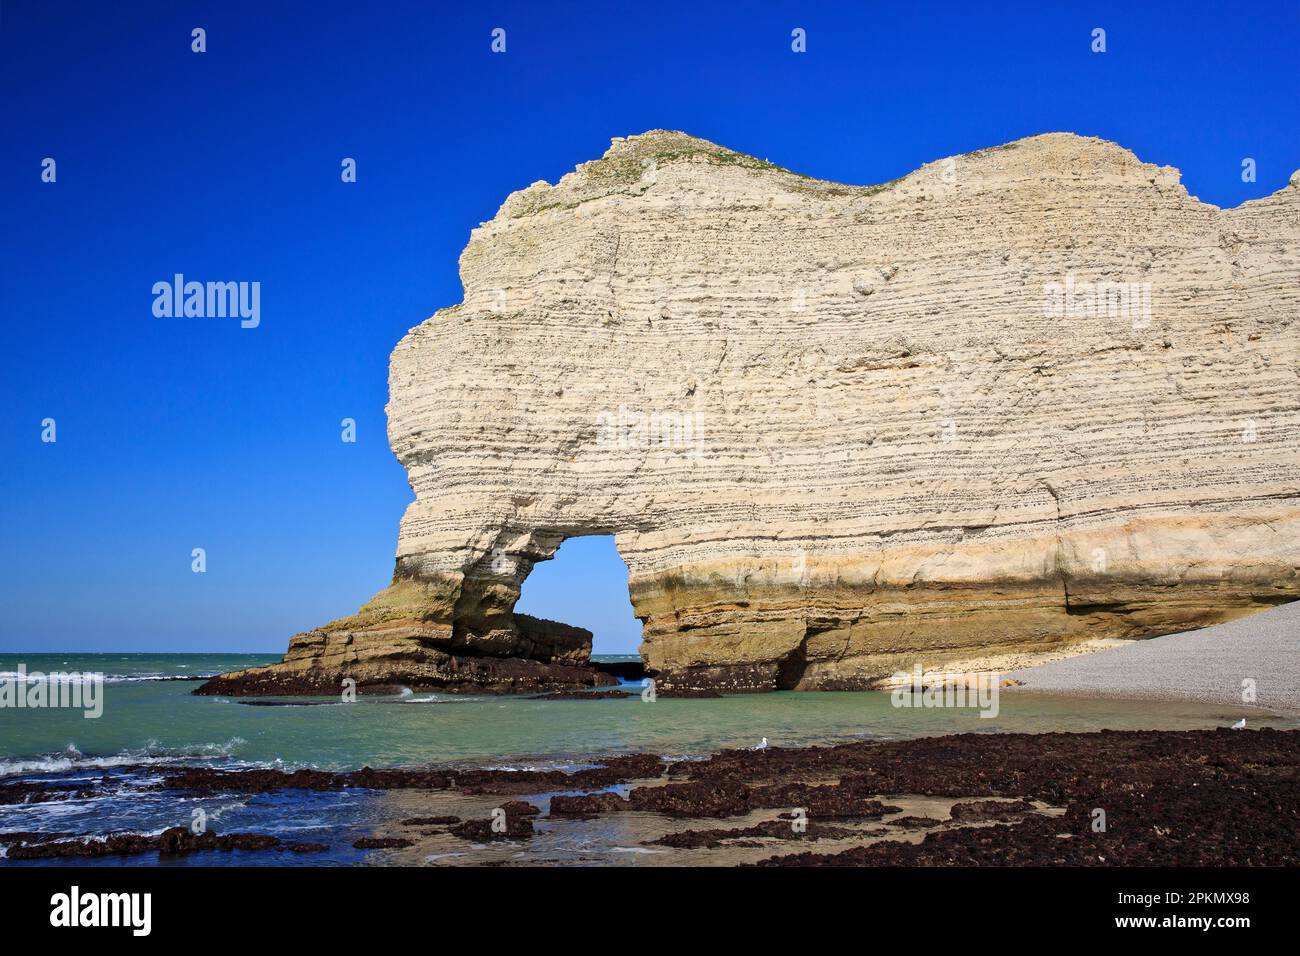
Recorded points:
(1019, 398)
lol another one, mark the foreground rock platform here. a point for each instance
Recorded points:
(1016, 400)
(1190, 798)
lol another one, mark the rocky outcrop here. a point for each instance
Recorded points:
(396, 641)
(1017, 399)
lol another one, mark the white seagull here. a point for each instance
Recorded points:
(1240, 725)
(762, 744)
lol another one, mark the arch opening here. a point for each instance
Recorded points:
(585, 584)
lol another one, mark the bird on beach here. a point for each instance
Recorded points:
(761, 745)
(1240, 725)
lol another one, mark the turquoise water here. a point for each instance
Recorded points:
(151, 721)
(147, 719)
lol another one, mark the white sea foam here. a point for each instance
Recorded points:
(214, 815)
(44, 812)
(568, 766)
(152, 753)
(74, 678)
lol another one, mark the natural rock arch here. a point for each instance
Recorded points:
(1017, 399)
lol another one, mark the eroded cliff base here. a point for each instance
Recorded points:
(757, 647)
(402, 639)
(422, 671)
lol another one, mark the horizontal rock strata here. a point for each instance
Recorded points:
(391, 643)
(1015, 400)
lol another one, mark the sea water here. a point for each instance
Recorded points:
(151, 721)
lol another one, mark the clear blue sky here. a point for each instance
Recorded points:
(176, 433)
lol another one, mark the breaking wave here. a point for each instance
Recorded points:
(152, 753)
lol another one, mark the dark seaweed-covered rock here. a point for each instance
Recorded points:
(728, 798)
(701, 799)
(780, 829)
(31, 836)
(430, 821)
(688, 693)
(1185, 798)
(517, 827)
(610, 772)
(586, 804)
(914, 823)
(41, 793)
(519, 808)
(174, 841)
(990, 810)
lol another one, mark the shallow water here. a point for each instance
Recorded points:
(155, 722)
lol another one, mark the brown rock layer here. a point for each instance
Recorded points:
(396, 641)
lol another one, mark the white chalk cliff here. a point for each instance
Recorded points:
(1014, 400)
